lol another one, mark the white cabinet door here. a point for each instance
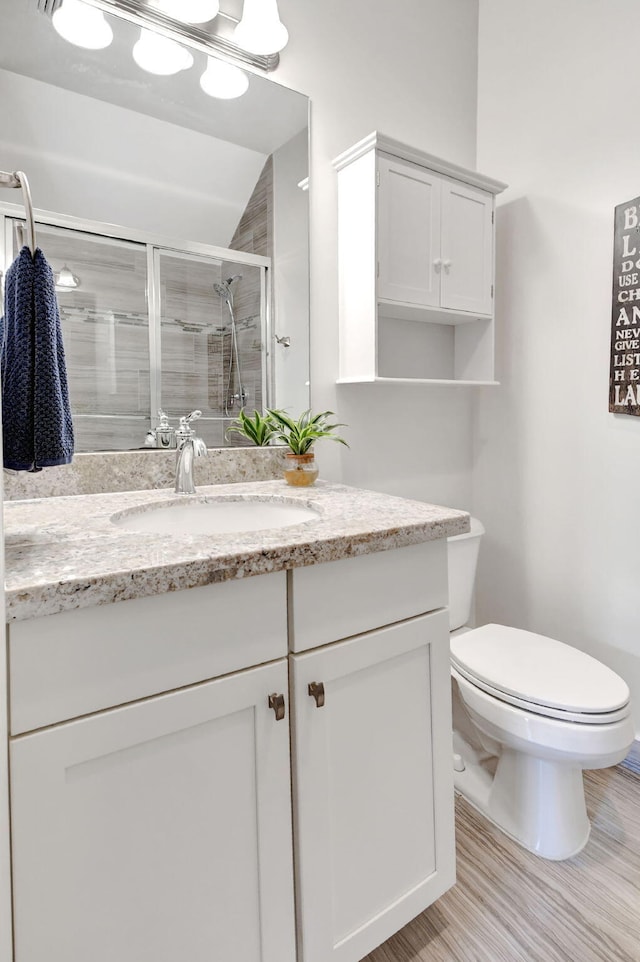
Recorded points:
(467, 248)
(158, 832)
(408, 233)
(373, 786)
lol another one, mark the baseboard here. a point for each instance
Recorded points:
(632, 761)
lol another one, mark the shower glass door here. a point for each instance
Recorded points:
(147, 327)
(211, 340)
(102, 295)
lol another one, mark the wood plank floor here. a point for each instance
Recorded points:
(510, 906)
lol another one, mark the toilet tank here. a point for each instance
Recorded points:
(462, 557)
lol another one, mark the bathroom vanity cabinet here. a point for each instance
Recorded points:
(157, 808)
(416, 266)
(150, 805)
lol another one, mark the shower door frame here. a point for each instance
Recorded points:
(156, 245)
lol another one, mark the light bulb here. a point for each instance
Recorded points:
(82, 25)
(261, 31)
(160, 55)
(223, 80)
(189, 11)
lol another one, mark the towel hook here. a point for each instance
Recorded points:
(19, 179)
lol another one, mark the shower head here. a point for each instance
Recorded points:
(223, 288)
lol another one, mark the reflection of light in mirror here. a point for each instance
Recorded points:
(223, 80)
(261, 31)
(189, 11)
(160, 55)
(82, 25)
(66, 281)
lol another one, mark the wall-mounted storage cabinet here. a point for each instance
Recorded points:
(416, 265)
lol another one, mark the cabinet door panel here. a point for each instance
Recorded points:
(159, 831)
(408, 233)
(374, 822)
(467, 248)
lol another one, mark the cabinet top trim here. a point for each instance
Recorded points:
(379, 142)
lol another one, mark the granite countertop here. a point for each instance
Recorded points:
(65, 552)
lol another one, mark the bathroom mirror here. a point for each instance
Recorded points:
(176, 224)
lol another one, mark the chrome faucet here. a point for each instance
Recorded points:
(189, 447)
(162, 436)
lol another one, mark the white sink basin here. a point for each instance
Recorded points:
(214, 516)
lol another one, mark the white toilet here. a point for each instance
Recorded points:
(529, 714)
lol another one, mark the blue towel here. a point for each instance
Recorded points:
(36, 418)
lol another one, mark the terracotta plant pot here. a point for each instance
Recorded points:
(300, 469)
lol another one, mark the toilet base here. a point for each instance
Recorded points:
(538, 803)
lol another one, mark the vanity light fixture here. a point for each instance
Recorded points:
(223, 80)
(82, 25)
(189, 11)
(160, 55)
(66, 281)
(172, 29)
(260, 30)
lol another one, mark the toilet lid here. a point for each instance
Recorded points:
(537, 670)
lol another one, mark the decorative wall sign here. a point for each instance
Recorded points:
(624, 377)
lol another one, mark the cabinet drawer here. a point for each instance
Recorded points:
(81, 661)
(342, 598)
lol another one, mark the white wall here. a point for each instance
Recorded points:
(154, 176)
(409, 70)
(556, 476)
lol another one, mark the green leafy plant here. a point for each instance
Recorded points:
(260, 428)
(300, 433)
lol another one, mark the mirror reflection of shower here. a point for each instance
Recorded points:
(235, 394)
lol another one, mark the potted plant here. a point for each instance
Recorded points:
(299, 434)
(260, 429)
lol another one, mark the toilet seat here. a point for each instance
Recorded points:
(540, 675)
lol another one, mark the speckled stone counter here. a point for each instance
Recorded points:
(64, 553)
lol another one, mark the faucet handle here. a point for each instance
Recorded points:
(185, 430)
